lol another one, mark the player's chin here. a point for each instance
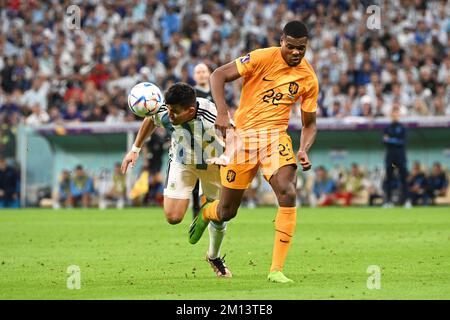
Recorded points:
(293, 62)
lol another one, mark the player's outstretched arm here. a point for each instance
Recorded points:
(307, 138)
(219, 77)
(146, 129)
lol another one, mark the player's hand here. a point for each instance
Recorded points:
(223, 160)
(222, 124)
(131, 157)
(302, 156)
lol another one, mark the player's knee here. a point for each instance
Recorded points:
(173, 217)
(287, 195)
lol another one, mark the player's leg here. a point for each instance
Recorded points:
(180, 181)
(196, 200)
(283, 183)
(235, 179)
(280, 169)
(403, 172)
(85, 200)
(219, 211)
(388, 180)
(70, 202)
(175, 209)
(210, 181)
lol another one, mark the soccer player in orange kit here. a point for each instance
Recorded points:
(274, 79)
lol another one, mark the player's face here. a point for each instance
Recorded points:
(179, 114)
(201, 74)
(293, 49)
(395, 115)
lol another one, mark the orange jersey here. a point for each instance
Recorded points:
(271, 87)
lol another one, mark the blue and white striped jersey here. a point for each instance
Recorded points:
(195, 141)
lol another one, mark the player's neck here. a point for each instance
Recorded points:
(204, 87)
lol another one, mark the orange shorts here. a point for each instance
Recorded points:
(268, 156)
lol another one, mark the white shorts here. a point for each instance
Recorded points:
(181, 180)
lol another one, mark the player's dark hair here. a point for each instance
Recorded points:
(295, 29)
(181, 94)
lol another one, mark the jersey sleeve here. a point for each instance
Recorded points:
(309, 98)
(249, 63)
(206, 112)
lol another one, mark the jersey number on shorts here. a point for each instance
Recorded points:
(284, 150)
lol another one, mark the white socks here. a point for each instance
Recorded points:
(216, 234)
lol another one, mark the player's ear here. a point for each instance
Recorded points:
(281, 40)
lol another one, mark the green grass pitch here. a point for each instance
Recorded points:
(135, 254)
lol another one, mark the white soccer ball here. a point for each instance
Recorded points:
(145, 99)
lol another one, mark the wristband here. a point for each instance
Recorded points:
(135, 149)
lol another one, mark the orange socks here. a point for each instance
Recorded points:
(284, 230)
(210, 211)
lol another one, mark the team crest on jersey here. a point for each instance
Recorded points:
(245, 58)
(293, 88)
(231, 175)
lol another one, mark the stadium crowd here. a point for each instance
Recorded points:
(54, 71)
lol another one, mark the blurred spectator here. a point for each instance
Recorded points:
(99, 76)
(81, 188)
(374, 185)
(417, 184)
(115, 115)
(37, 94)
(8, 129)
(9, 195)
(71, 114)
(120, 50)
(437, 183)
(37, 116)
(323, 188)
(140, 188)
(114, 190)
(63, 195)
(96, 114)
(55, 115)
(353, 185)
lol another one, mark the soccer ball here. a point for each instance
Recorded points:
(145, 99)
